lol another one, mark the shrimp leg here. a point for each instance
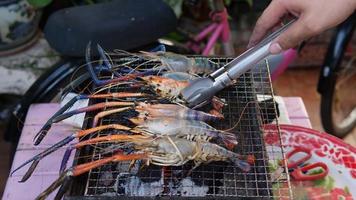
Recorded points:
(106, 113)
(60, 115)
(83, 168)
(94, 77)
(45, 128)
(61, 143)
(90, 108)
(109, 138)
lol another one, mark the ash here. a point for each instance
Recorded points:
(188, 188)
(131, 185)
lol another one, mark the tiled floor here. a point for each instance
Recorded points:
(294, 82)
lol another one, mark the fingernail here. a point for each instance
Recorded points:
(275, 48)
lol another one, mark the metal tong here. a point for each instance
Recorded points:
(200, 91)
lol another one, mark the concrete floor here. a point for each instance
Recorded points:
(294, 82)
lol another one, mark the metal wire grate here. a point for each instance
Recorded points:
(250, 104)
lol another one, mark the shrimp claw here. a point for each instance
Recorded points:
(83, 168)
(61, 143)
(39, 156)
(45, 128)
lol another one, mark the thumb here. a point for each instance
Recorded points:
(291, 37)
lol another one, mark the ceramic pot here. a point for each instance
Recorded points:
(18, 24)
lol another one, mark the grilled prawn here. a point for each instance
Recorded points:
(190, 129)
(180, 63)
(144, 110)
(177, 128)
(150, 111)
(162, 151)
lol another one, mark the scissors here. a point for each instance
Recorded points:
(299, 170)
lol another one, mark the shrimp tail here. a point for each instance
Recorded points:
(250, 159)
(216, 114)
(229, 140)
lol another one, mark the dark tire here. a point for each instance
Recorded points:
(327, 113)
(338, 100)
(45, 89)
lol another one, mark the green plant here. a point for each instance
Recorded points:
(39, 3)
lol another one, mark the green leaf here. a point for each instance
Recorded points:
(347, 190)
(330, 184)
(39, 3)
(174, 36)
(227, 2)
(272, 166)
(327, 182)
(176, 5)
(250, 2)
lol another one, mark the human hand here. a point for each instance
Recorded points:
(314, 17)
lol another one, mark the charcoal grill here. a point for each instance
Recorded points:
(250, 104)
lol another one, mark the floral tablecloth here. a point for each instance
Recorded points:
(340, 183)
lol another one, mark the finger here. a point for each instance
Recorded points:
(291, 37)
(269, 18)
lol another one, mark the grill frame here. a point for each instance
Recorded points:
(259, 82)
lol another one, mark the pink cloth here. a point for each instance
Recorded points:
(296, 111)
(47, 170)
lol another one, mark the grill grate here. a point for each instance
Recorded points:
(250, 104)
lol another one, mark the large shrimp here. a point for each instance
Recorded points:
(190, 129)
(167, 88)
(145, 110)
(164, 86)
(162, 151)
(180, 63)
(199, 151)
(149, 111)
(178, 128)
